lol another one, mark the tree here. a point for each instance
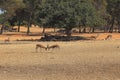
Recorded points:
(113, 8)
(9, 11)
(57, 13)
(68, 14)
(87, 15)
(21, 16)
(30, 8)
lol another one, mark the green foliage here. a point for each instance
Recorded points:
(60, 13)
(9, 7)
(1, 17)
(30, 8)
(113, 8)
(68, 14)
(7, 24)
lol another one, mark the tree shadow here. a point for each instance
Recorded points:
(62, 38)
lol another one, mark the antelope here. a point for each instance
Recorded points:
(7, 40)
(108, 37)
(40, 46)
(95, 37)
(53, 46)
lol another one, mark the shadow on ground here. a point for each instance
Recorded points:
(62, 38)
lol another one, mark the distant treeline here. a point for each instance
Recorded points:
(67, 14)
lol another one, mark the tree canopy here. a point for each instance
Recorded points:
(66, 14)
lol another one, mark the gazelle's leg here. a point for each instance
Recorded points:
(40, 49)
(36, 49)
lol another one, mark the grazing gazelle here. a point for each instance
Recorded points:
(7, 40)
(108, 37)
(95, 37)
(40, 46)
(53, 46)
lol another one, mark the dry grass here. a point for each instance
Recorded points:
(85, 60)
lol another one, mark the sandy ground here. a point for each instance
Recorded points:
(80, 60)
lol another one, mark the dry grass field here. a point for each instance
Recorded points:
(80, 60)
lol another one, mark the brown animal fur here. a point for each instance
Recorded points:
(53, 46)
(108, 37)
(94, 37)
(40, 46)
(7, 40)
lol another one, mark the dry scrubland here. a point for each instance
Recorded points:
(82, 60)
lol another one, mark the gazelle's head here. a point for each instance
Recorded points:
(36, 47)
(46, 48)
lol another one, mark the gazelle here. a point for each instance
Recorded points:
(7, 40)
(95, 37)
(108, 37)
(40, 47)
(53, 46)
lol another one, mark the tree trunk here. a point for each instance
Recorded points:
(68, 33)
(19, 24)
(2, 28)
(93, 29)
(112, 25)
(107, 25)
(118, 26)
(29, 23)
(80, 29)
(84, 30)
(43, 30)
(90, 30)
(28, 29)
(2, 23)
